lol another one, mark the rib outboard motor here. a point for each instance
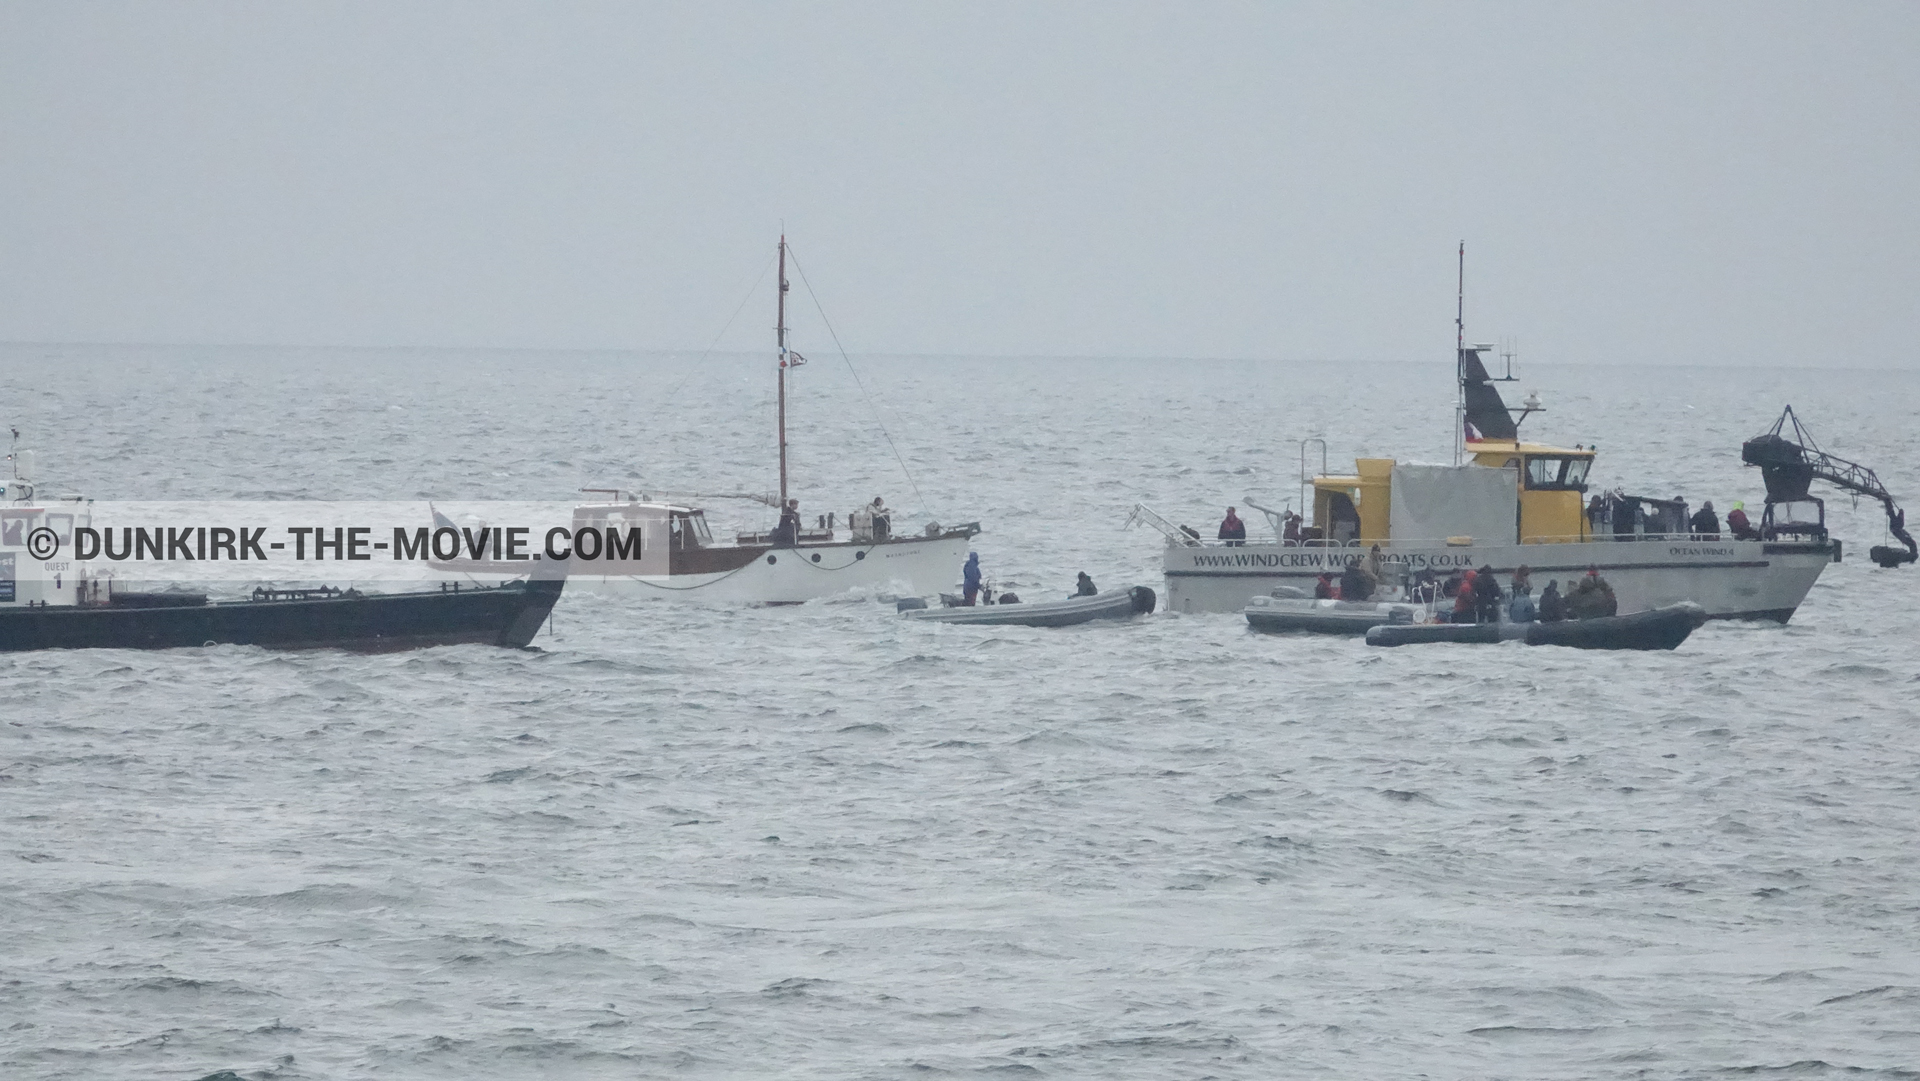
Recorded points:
(1789, 464)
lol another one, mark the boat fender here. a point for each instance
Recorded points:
(907, 604)
(1143, 599)
(1009, 598)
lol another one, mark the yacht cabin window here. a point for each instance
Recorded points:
(689, 530)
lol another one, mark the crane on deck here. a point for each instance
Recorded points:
(1790, 462)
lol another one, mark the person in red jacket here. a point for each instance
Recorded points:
(1463, 600)
(1738, 525)
(1233, 530)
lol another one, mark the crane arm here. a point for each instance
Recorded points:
(1790, 462)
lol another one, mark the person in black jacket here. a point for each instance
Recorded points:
(1553, 607)
(1354, 584)
(1705, 524)
(1486, 596)
(787, 533)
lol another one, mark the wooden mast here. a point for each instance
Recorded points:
(780, 339)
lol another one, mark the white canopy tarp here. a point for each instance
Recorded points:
(1433, 502)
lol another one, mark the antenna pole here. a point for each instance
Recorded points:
(1460, 347)
(1460, 305)
(780, 339)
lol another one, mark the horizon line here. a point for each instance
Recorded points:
(877, 354)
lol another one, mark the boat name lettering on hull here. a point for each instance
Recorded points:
(1327, 561)
(1695, 550)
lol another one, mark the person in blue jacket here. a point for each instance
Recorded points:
(970, 576)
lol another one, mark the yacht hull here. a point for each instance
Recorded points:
(910, 566)
(1730, 579)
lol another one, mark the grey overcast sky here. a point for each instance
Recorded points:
(1722, 183)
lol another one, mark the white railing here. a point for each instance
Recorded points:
(1176, 537)
(1388, 546)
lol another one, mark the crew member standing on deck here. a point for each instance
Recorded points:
(970, 577)
(1233, 530)
(787, 533)
(1705, 523)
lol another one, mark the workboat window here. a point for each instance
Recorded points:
(13, 528)
(702, 536)
(1345, 518)
(1557, 474)
(62, 526)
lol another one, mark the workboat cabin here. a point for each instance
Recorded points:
(36, 545)
(1510, 493)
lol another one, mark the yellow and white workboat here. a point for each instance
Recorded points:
(1509, 503)
(1517, 504)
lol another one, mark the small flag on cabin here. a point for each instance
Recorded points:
(794, 359)
(1473, 434)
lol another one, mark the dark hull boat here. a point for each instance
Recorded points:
(1662, 628)
(509, 615)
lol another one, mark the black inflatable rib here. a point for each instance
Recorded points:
(1662, 628)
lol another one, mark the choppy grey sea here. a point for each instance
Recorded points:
(818, 842)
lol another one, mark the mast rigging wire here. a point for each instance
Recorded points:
(858, 382)
(699, 364)
(711, 346)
